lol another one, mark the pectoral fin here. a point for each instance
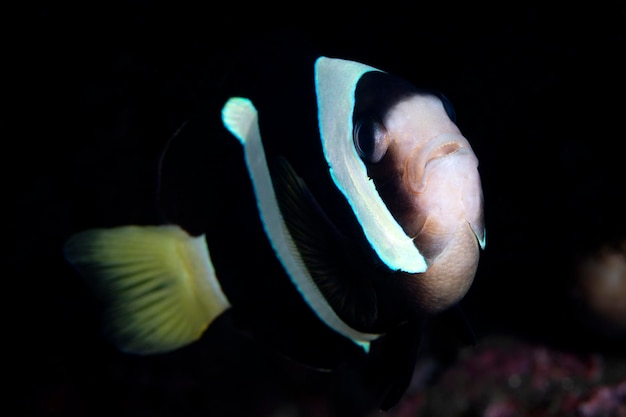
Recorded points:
(334, 262)
(158, 284)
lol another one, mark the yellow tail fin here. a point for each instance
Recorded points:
(158, 283)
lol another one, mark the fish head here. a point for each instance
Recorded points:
(427, 174)
(409, 175)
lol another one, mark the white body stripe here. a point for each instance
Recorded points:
(335, 83)
(240, 118)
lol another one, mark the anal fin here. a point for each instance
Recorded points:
(157, 282)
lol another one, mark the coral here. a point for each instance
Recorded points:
(507, 378)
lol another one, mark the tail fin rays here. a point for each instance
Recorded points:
(157, 282)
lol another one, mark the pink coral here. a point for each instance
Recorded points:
(508, 378)
(604, 401)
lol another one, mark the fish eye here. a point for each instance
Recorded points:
(447, 105)
(370, 140)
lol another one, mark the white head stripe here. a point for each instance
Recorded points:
(335, 84)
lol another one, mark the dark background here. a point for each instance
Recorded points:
(92, 91)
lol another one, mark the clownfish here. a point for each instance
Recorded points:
(328, 205)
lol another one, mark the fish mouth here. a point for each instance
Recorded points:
(420, 163)
(439, 194)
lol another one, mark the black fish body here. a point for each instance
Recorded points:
(291, 202)
(206, 189)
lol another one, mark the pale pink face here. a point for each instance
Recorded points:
(428, 177)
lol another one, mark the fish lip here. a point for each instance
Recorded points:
(420, 160)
